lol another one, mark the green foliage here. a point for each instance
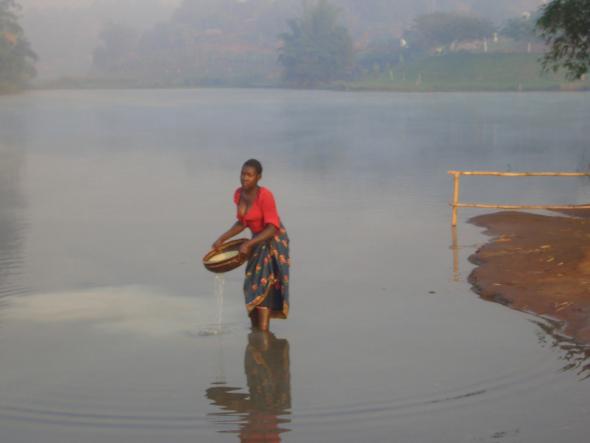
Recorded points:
(462, 71)
(16, 57)
(317, 49)
(565, 26)
(442, 29)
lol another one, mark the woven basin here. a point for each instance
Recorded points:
(226, 257)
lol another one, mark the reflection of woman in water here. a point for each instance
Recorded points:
(266, 363)
(266, 286)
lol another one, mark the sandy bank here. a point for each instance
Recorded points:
(538, 264)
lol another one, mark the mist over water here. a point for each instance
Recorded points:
(109, 200)
(65, 33)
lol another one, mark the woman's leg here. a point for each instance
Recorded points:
(254, 318)
(263, 317)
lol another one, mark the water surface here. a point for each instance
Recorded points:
(109, 199)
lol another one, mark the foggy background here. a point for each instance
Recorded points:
(66, 33)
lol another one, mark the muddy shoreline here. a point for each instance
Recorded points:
(538, 264)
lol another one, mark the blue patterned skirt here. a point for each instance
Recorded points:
(267, 276)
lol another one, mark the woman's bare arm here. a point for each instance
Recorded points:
(234, 230)
(266, 234)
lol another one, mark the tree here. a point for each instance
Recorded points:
(443, 28)
(16, 56)
(317, 49)
(565, 26)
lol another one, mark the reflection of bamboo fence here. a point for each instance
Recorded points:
(457, 174)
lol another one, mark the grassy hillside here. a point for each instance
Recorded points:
(467, 72)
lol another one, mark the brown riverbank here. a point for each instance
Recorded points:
(539, 264)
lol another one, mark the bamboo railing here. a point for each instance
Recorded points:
(456, 185)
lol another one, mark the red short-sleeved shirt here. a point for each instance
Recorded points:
(262, 212)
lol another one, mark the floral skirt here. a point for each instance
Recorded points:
(267, 276)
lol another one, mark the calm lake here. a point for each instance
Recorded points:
(109, 199)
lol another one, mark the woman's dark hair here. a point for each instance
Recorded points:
(253, 163)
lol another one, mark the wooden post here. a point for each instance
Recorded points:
(456, 176)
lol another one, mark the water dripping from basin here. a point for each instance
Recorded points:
(216, 328)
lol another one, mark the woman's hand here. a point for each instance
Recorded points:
(234, 230)
(245, 248)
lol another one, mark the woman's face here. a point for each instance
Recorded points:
(249, 177)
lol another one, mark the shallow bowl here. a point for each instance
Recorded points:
(224, 259)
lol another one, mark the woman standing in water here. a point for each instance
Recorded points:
(266, 286)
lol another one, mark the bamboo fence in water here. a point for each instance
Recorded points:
(456, 188)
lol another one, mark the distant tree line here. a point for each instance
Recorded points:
(16, 56)
(206, 42)
(430, 34)
(217, 42)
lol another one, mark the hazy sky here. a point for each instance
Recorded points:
(64, 33)
(83, 2)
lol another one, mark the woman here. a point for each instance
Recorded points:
(266, 286)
